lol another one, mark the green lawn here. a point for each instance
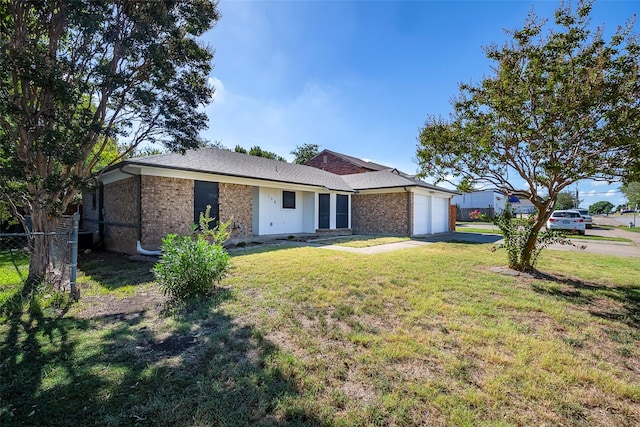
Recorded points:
(569, 236)
(14, 268)
(359, 241)
(307, 336)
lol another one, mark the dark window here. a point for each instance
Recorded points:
(205, 193)
(324, 210)
(342, 211)
(288, 200)
(93, 201)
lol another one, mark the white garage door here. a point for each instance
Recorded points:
(421, 220)
(440, 217)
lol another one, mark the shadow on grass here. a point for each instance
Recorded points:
(113, 270)
(120, 370)
(624, 305)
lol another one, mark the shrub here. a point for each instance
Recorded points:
(189, 266)
(517, 233)
(216, 235)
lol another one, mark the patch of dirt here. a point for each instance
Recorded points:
(96, 306)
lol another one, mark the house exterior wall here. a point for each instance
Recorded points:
(90, 214)
(236, 202)
(273, 218)
(383, 213)
(167, 207)
(332, 163)
(120, 207)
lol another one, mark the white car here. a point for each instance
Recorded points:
(567, 220)
(587, 218)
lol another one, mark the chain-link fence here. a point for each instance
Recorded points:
(60, 255)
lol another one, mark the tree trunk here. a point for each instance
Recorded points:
(526, 256)
(40, 243)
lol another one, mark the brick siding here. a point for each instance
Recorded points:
(121, 206)
(335, 164)
(90, 212)
(167, 207)
(383, 213)
(236, 201)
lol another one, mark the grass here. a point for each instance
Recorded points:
(569, 235)
(306, 336)
(14, 269)
(478, 230)
(627, 228)
(360, 241)
(603, 238)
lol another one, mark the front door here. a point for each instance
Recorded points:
(324, 211)
(342, 211)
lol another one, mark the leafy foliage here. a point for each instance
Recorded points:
(516, 232)
(259, 152)
(305, 152)
(216, 235)
(79, 77)
(601, 207)
(560, 105)
(566, 200)
(190, 267)
(632, 191)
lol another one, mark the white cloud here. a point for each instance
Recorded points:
(219, 95)
(311, 115)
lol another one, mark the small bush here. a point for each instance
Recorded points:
(190, 266)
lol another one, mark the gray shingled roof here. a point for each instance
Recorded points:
(387, 179)
(230, 163)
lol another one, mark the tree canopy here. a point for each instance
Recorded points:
(566, 200)
(305, 152)
(632, 191)
(257, 151)
(601, 207)
(560, 104)
(79, 75)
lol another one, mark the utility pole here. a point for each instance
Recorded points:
(577, 199)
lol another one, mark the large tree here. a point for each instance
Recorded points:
(560, 104)
(566, 200)
(77, 75)
(632, 191)
(305, 152)
(601, 207)
(259, 152)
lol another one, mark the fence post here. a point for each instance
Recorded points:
(75, 293)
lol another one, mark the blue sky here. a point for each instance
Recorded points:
(360, 77)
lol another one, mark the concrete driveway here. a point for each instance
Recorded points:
(592, 246)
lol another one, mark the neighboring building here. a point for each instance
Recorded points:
(521, 206)
(141, 200)
(481, 199)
